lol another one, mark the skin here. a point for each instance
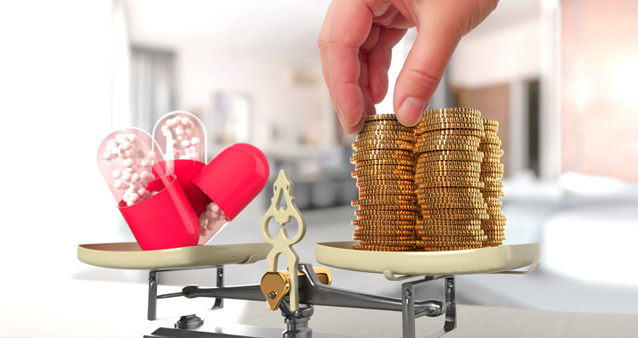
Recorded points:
(356, 43)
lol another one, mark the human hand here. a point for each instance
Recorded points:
(356, 43)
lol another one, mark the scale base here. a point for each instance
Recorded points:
(236, 330)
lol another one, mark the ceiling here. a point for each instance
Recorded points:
(286, 28)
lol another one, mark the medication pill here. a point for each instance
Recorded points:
(128, 162)
(117, 173)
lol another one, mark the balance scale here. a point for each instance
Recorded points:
(296, 295)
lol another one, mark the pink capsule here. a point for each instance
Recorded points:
(128, 162)
(125, 198)
(110, 144)
(215, 208)
(151, 177)
(129, 203)
(134, 197)
(117, 173)
(107, 155)
(126, 176)
(118, 184)
(126, 145)
(211, 225)
(184, 157)
(164, 128)
(136, 177)
(132, 138)
(134, 185)
(119, 138)
(186, 144)
(166, 133)
(145, 163)
(195, 141)
(144, 175)
(132, 169)
(150, 155)
(188, 132)
(203, 232)
(179, 131)
(141, 191)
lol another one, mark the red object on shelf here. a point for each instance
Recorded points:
(234, 177)
(185, 170)
(165, 220)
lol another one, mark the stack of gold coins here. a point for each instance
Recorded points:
(447, 177)
(384, 169)
(491, 172)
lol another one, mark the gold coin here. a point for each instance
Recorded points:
(388, 242)
(435, 249)
(381, 238)
(448, 138)
(389, 224)
(377, 117)
(386, 127)
(491, 162)
(491, 200)
(382, 232)
(403, 184)
(380, 248)
(472, 232)
(392, 153)
(448, 166)
(449, 184)
(380, 177)
(489, 148)
(493, 193)
(383, 162)
(447, 245)
(494, 204)
(449, 223)
(470, 211)
(438, 239)
(385, 194)
(458, 216)
(491, 139)
(489, 122)
(450, 132)
(420, 129)
(384, 169)
(444, 205)
(383, 123)
(399, 199)
(490, 129)
(493, 184)
(492, 174)
(397, 145)
(453, 110)
(384, 141)
(451, 155)
(425, 149)
(449, 194)
(388, 215)
(378, 208)
(456, 118)
(383, 212)
(406, 137)
(443, 173)
(492, 167)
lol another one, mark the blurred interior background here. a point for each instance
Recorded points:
(559, 76)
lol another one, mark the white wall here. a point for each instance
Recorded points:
(502, 56)
(56, 108)
(289, 105)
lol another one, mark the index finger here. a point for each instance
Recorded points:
(345, 29)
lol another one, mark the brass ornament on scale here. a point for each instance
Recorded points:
(275, 285)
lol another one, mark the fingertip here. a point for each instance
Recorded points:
(411, 110)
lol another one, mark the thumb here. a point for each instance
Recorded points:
(424, 69)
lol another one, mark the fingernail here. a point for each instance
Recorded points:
(343, 124)
(411, 110)
(349, 119)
